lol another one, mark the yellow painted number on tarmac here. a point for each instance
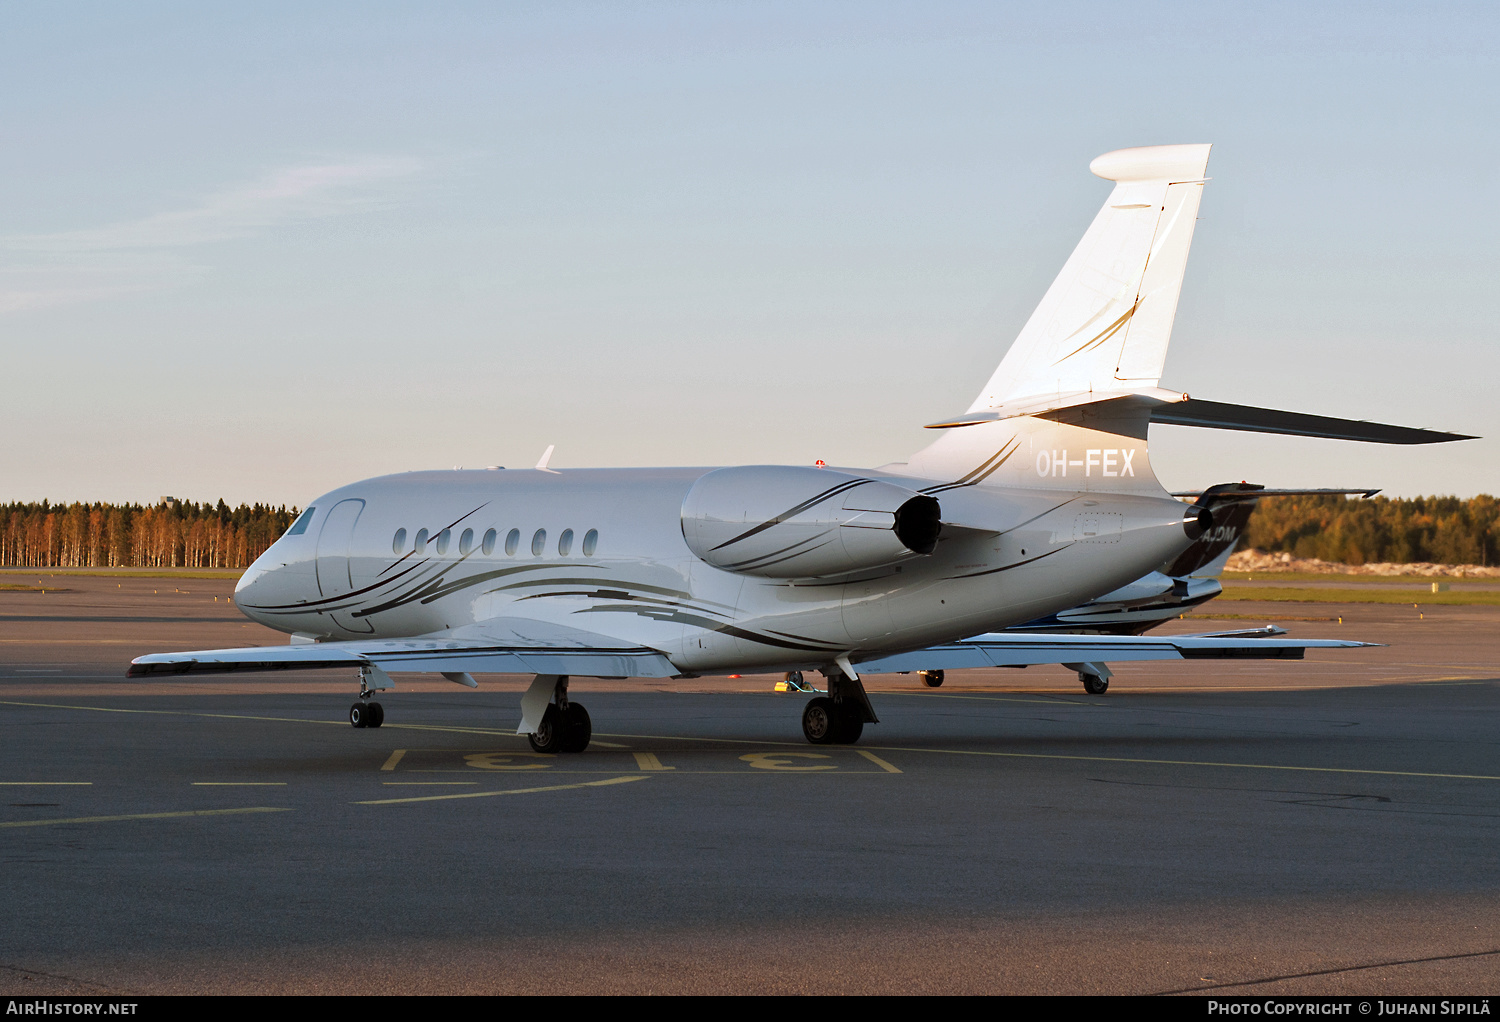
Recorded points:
(780, 760)
(505, 760)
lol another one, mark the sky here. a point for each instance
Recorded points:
(259, 251)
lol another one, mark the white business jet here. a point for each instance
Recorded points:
(1038, 498)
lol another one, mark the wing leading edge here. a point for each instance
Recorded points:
(1019, 649)
(430, 655)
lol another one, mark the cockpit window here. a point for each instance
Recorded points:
(300, 525)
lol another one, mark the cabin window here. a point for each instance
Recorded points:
(488, 545)
(442, 542)
(539, 542)
(421, 544)
(565, 543)
(590, 542)
(399, 543)
(466, 542)
(512, 542)
(300, 525)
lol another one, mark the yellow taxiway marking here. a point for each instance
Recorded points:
(507, 760)
(238, 784)
(424, 784)
(50, 784)
(746, 770)
(783, 761)
(390, 764)
(507, 791)
(247, 716)
(146, 816)
(1089, 759)
(1190, 762)
(1060, 699)
(882, 764)
(739, 741)
(648, 761)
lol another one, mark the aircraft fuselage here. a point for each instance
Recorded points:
(599, 556)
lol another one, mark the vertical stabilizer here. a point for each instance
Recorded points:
(1070, 404)
(1105, 322)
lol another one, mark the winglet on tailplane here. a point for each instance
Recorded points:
(1092, 353)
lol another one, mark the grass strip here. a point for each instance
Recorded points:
(1422, 597)
(1350, 577)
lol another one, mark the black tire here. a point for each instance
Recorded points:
(551, 734)
(359, 716)
(1093, 684)
(377, 715)
(820, 721)
(850, 728)
(578, 730)
(932, 679)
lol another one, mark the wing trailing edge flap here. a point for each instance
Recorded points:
(1019, 649)
(497, 647)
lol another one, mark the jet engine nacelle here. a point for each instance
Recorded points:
(788, 522)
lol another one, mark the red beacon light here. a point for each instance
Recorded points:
(820, 463)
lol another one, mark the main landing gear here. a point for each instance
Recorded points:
(825, 722)
(367, 712)
(838, 718)
(563, 725)
(1095, 677)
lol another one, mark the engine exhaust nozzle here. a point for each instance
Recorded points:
(1198, 521)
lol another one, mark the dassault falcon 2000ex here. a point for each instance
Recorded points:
(1038, 498)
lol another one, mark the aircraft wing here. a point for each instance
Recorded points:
(1020, 649)
(511, 646)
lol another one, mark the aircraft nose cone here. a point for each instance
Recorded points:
(247, 581)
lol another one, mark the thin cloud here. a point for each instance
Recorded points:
(64, 267)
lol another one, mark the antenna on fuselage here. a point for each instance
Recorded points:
(546, 457)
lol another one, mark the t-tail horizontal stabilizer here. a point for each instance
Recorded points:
(1181, 410)
(1219, 415)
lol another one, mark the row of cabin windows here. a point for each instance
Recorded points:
(512, 542)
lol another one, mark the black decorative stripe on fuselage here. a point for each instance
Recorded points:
(1008, 567)
(982, 472)
(795, 510)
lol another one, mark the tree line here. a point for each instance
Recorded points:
(1443, 530)
(169, 534)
